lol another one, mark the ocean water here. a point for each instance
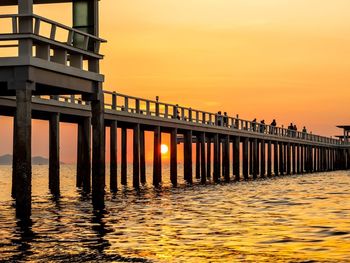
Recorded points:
(300, 218)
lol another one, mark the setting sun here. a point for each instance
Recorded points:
(164, 149)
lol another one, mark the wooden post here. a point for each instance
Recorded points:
(209, 160)
(84, 154)
(22, 152)
(124, 161)
(285, 152)
(157, 158)
(226, 158)
(288, 159)
(251, 157)
(14, 158)
(255, 158)
(54, 154)
(298, 158)
(98, 151)
(216, 158)
(245, 158)
(188, 157)
(275, 158)
(302, 158)
(173, 157)
(203, 163)
(136, 157)
(281, 158)
(142, 157)
(113, 156)
(236, 157)
(263, 158)
(198, 158)
(294, 159)
(269, 159)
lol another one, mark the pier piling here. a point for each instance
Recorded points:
(113, 157)
(54, 154)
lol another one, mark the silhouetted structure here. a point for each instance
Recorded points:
(52, 84)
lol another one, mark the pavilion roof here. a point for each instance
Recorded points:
(345, 127)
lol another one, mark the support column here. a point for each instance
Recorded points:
(23, 152)
(294, 166)
(173, 157)
(288, 159)
(14, 158)
(202, 154)
(236, 157)
(251, 157)
(255, 158)
(311, 159)
(98, 150)
(275, 158)
(263, 158)
(124, 160)
(298, 158)
(285, 158)
(142, 157)
(302, 158)
(54, 154)
(216, 158)
(209, 161)
(281, 158)
(84, 154)
(136, 157)
(113, 156)
(269, 158)
(198, 158)
(157, 157)
(188, 157)
(245, 158)
(226, 158)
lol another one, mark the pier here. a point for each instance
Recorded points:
(59, 81)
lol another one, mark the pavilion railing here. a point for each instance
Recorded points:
(52, 41)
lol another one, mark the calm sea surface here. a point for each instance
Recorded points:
(285, 219)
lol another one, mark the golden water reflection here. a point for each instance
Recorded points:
(287, 219)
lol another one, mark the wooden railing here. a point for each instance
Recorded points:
(121, 103)
(129, 104)
(58, 43)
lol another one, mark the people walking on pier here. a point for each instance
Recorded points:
(254, 125)
(290, 130)
(237, 122)
(295, 129)
(304, 131)
(225, 119)
(262, 126)
(273, 126)
(219, 119)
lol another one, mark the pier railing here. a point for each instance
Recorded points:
(52, 41)
(133, 105)
(129, 104)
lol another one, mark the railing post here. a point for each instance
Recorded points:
(148, 108)
(114, 101)
(126, 104)
(137, 105)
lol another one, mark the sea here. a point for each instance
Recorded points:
(298, 218)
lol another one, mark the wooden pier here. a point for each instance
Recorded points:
(52, 84)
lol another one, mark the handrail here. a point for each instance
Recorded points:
(244, 125)
(206, 118)
(55, 23)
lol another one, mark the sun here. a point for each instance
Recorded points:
(164, 149)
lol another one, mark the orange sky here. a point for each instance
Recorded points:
(267, 59)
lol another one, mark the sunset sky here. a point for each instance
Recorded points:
(264, 59)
